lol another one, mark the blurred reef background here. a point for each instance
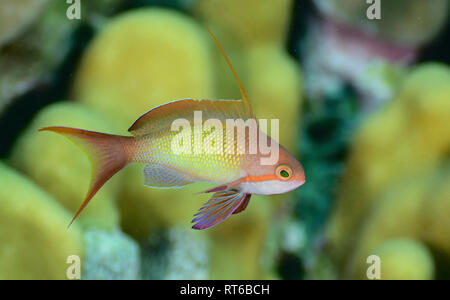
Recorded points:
(364, 104)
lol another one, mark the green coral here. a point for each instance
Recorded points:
(17, 15)
(35, 242)
(110, 256)
(175, 254)
(27, 59)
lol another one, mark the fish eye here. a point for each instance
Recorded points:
(284, 172)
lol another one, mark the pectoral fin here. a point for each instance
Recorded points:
(243, 205)
(156, 176)
(222, 205)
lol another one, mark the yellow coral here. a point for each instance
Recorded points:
(250, 22)
(61, 168)
(144, 209)
(407, 139)
(437, 222)
(398, 214)
(405, 259)
(237, 244)
(253, 34)
(35, 242)
(274, 84)
(147, 57)
(142, 59)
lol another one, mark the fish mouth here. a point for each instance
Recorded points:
(298, 184)
(299, 180)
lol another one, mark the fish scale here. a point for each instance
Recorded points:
(216, 168)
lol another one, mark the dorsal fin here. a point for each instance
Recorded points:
(161, 117)
(243, 93)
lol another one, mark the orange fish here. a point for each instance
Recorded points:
(239, 165)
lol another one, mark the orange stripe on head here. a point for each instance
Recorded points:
(267, 177)
(259, 178)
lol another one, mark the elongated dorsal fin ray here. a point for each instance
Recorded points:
(241, 87)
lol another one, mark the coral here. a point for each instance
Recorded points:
(404, 21)
(398, 213)
(436, 220)
(35, 242)
(16, 16)
(142, 59)
(327, 129)
(330, 47)
(144, 209)
(27, 59)
(284, 238)
(250, 22)
(24, 24)
(394, 185)
(137, 63)
(404, 140)
(62, 168)
(176, 254)
(238, 244)
(377, 50)
(415, 209)
(273, 82)
(405, 259)
(253, 34)
(110, 256)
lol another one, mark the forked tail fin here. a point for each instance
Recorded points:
(106, 153)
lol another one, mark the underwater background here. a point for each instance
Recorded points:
(363, 103)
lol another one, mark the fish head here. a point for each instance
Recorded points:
(285, 175)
